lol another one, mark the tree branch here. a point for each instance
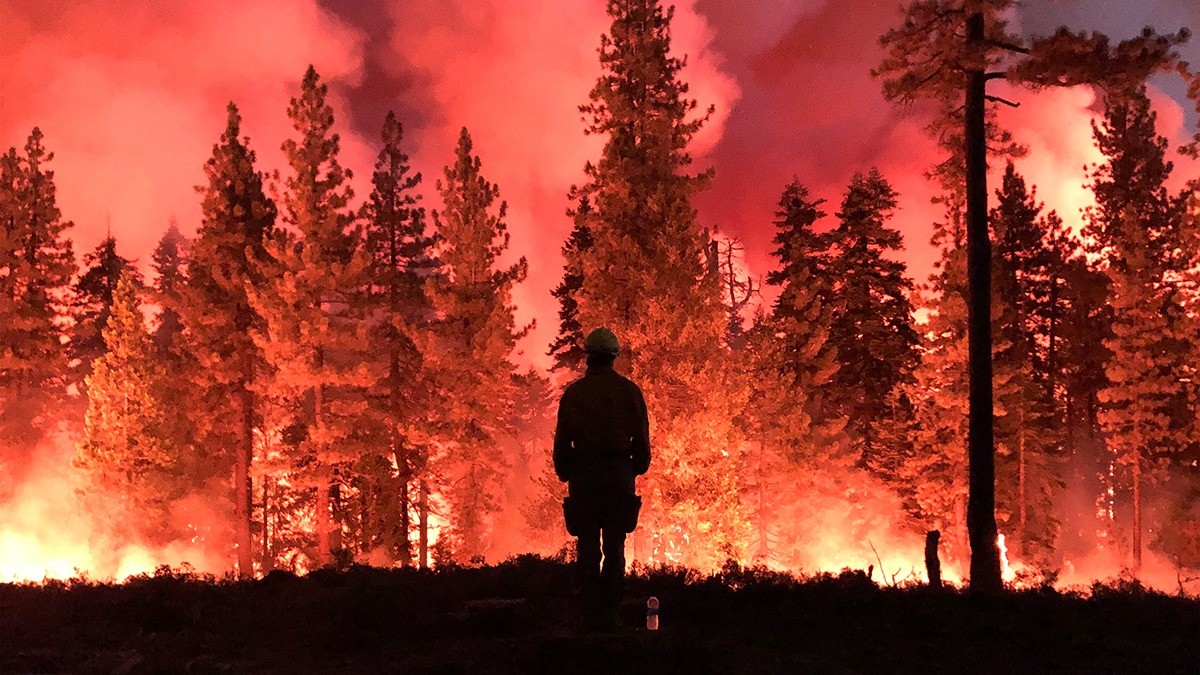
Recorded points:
(997, 99)
(1007, 46)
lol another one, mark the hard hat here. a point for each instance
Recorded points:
(602, 341)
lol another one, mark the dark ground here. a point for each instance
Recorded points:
(510, 618)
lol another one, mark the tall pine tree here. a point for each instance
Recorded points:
(130, 465)
(402, 261)
(1032, 255)
(314, 333)
(169, 263)
(472, 349)
(644, 276)
(872, 327)
(225, 265)
(1140, 233)
(39, 264)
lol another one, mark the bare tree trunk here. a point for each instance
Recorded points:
(933, 566)
(268, 558)
(423, 525)
(242, 487)
(402, 485)
(1021, 504)
(764, 550)
(1137, 513)
(981, 507)
(366, 515)
(323, 481)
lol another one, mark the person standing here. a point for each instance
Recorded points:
(601, 445)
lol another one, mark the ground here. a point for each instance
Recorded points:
(514, 618)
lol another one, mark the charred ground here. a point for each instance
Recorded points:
(511, 618)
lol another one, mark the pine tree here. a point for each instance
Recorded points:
(314, 333)
(872, 327)
(225, 265)
(402, 260)
(170, 278)
(129, 465)
(567, 348)
(947, 51)
(1032, 254)
(176, 358)
(644, 277)
(930, 470)
(1142, 236)
(1142, 373)
(92, 303)
(793, 431)
(1080, 357)
(39, 262)
(475, 340)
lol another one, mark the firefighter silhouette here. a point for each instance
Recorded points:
(601, 444)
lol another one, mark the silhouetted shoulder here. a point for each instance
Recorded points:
(630, 385)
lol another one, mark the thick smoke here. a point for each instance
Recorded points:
(131, 101)
(132, 120)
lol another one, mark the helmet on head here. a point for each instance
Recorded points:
(602, 341)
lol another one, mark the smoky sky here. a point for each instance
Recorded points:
(132, 101)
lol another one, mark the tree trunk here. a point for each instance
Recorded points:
(366, 515)
(981, 506)
(763, 550)
(933, 566)
(1022, 511)
(402, 486)
(242, 487)
(268, 559)
(1137, 514)
(323, 480)
(423, 525)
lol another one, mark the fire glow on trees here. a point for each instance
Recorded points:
(292, 394)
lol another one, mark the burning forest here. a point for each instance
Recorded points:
(342, 357)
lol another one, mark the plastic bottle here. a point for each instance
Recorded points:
(652, 613)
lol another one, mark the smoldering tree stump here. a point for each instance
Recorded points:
(933, 566)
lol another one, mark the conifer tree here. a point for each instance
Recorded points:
(92, 302)
(37, 256)
(170, 278)
(1142, 236)
(793, 431)
(801, 324)
(175, 357)
(930, 471)
(1143, 375)
(872, 327)
(567, 348)
(130, 466)
(402, 261)
(1032, 254)
(314, 333)
(225, 265)
(947, 51)
(475, 339)
(644, 277)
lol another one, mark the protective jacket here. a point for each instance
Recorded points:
(602, 440)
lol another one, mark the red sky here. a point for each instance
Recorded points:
(131, 97)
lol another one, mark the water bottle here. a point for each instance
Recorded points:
(652, 613)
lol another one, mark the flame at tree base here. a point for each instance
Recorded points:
(44, 535)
